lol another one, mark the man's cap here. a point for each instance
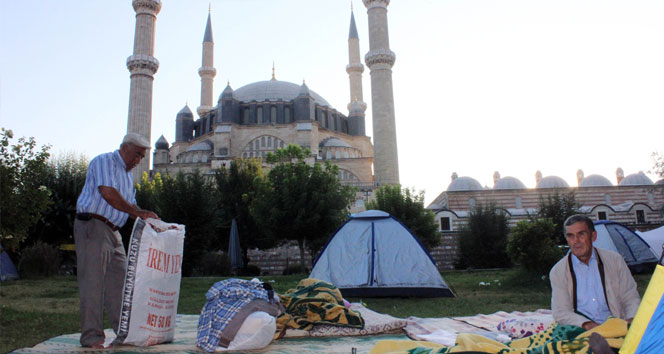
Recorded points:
(136, 139)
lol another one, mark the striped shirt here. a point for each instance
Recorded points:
(106, 170)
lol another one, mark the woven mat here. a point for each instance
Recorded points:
(185, 342)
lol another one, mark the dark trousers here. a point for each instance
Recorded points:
(101, 264)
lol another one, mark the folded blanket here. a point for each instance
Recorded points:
(374, 323)
(315, 302)
(557, 339)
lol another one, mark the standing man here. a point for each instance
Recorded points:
(590, 284)
(106, 201)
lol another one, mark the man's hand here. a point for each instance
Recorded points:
(589, 325)
(146, 214)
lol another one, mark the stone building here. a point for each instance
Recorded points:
(260, 117)
(634, 201)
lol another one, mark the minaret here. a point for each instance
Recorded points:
(354, 67)
(142, 65)
(207, 71)
(380, 60)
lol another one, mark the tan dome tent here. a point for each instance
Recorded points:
(375, 255)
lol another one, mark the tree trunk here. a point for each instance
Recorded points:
(301, 245)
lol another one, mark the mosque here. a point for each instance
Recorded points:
(260, 117)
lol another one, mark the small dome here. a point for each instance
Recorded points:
(161, 144)
(636, 179)
(333, 142)
(274, 90)
(509, 182)
(552, 182)
(185, 111)
(228, 91)
(464, 184)
(202, 146)
(595, 181)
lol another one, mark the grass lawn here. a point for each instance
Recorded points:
(34, 310)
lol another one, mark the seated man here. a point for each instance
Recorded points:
(590, 284)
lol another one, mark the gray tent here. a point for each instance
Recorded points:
(375, 255)
(619, 238)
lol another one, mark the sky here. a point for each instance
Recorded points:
(513, 86)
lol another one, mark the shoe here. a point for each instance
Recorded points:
(99, 345)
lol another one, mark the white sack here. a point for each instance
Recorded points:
(256, 332)
(152, 283)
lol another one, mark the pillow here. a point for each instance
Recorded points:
(523, 327)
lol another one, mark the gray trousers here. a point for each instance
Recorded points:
(101, 264)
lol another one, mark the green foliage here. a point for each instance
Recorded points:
(24, 198)
(658, 164)
(65, 178)
(187, 199)
(299, 201)
(531, 245)
(408, 207)
(235, 191)
(39, 259)
(483, 240)
(558, 207)
(295, 269)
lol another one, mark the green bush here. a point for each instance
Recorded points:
(39, 259)
(482, 241)
(250, 271)
(294, 269)
(531, 245)
(214, 263)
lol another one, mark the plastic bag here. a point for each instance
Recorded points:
(256, 332)
(152, 283)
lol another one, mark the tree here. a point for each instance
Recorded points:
(65, 178)
(408, 207)
(235, 191)
(24, 198)
(658, 164)
(483, 240)
(658, 169)
(187, 199)
(558, 207)
(301, 202)
(531, 247)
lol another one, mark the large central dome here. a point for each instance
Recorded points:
(273, 90)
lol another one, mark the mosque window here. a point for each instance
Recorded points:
(259, 115)
(195, 159)
(601, 215)
(245, 116)
(337, 154)
(328, 155)
(640, 216)
(222, 151)
(346, 154)
(273, 114)
(204, 158)
(287, 115)
(471, 202)
(445, 224)
(261, 145)
(518, 202)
